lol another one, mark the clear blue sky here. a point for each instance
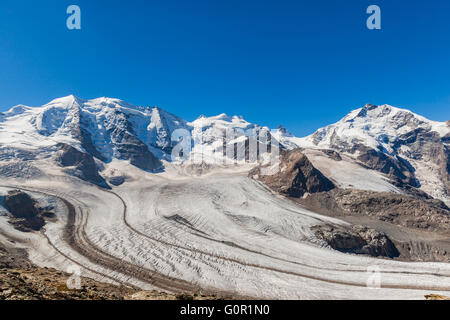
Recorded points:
(303, 64)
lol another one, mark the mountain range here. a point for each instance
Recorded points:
(138, 197)
(82, 136)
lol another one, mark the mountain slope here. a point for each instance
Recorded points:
(149, 230)
(408, 148)
(405, 149)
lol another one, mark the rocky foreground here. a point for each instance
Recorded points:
(21, 280)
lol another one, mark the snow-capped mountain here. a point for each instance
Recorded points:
(104, 128)
(214, 136)
(409, 149)
(377, 127)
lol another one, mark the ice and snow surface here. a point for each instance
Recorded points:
(378, 127)
(373, 127)
(55, 122)
(230, 233)
(347, 173)
(220, 230)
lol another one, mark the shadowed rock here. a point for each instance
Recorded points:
(394, 167)
(117, 181)
(24, 210)
(20, 204)
(129, 147)
(296, 176)
(84, 164)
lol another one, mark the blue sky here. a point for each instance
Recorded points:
(303, 64)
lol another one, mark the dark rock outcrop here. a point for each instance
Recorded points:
(444, 167)
(117, 181)
(26, 215)
(132, 149)
(394, 167)
(20, 204)
(84, 164)
(296, 176)
(332, 154)
(29, 224)
(358, 240)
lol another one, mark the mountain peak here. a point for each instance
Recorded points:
(372, 125)
(284, 131)
(67, 100)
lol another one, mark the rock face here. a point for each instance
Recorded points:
(296, 176)
(84, 164)
(129, 147)
(358, 240)
(20, 204)
(394, 167)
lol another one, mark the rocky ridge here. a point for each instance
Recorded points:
(296, 176)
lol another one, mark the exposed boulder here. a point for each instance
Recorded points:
(296, 176)
(358, 240)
